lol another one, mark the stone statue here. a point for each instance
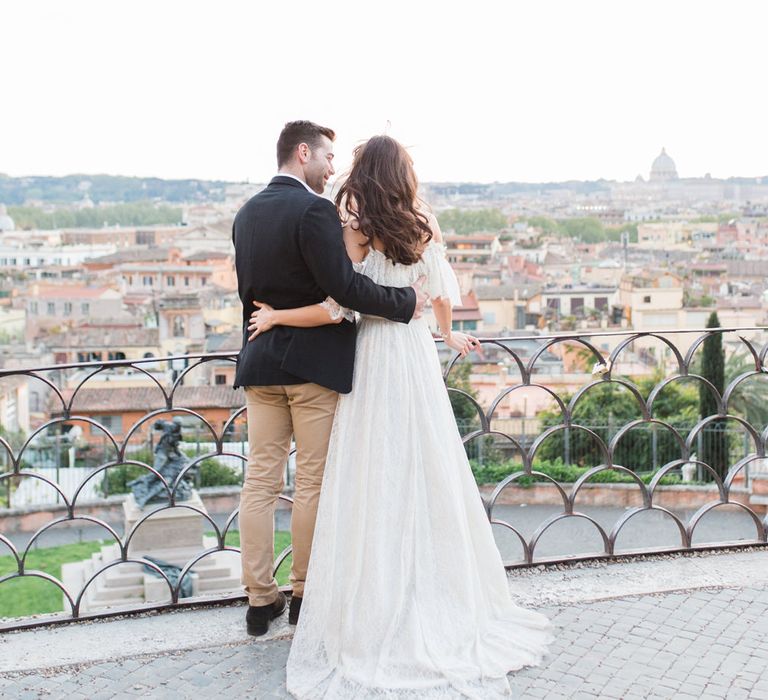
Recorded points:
(173, 573)
(169, 462)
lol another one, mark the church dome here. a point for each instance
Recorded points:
(663, 167)
(6, 222)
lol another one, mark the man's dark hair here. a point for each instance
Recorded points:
(294, 133)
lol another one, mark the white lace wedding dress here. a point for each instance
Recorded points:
(406, 595)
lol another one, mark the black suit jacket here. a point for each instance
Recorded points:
(289, 252)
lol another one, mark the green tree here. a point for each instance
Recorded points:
(462, 221)
(588, 230)
(130, 214)
(615, 234)
(544, 224)
(464, 410)
(608, 407)
(714, 438)
(748, 401)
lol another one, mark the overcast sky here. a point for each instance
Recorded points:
(479, 91)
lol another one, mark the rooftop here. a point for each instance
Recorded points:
(507, 291)
(137, 254)
(71, 291)
(100, 337)
(112, 400)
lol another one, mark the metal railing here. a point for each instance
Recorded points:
(600, 367)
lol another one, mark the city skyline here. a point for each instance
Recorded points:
(544, 93)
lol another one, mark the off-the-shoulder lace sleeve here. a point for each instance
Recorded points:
(441, 279)
(336, 311)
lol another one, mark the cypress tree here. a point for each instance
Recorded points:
(714, 438)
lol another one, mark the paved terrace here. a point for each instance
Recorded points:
(675, 626)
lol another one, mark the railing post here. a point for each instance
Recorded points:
(57, 450)
(700, 451)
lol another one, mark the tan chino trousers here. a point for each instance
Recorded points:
(275, 413)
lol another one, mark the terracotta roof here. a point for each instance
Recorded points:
(466, 315)
(507, 291)
(163, 267)
(48, 291)
(223, 342)
(117, 399)
(750, 302)
(99, 337)
(131, 255)
(556, 259)
(468, 301)
(747, 268)
(207, 255)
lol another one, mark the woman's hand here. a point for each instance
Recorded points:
(462, 343)
(262, 320)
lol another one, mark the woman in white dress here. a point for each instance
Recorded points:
(406, 594)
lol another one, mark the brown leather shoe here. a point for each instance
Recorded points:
(258, 617)
(294, 610)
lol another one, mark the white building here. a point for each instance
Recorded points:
(30, 250)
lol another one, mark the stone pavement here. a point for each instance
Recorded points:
(622, 631)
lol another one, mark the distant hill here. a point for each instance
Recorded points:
(106, 188)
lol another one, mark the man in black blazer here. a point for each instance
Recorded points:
(289, 252)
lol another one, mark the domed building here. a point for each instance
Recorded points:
(663, 168)
(6, 222)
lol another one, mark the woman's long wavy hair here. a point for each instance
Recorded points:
(379, 197)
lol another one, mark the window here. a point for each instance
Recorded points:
(601, 303)
(67, 308)
(85, 308)
(221, 379)
(464, 325)
(186, 281)
(178, 326)
(647, 300)
(112, 423)
(33, 308)
(170, 281)
(51, 308)
(577, 306)
(27, 261)
(202, 281)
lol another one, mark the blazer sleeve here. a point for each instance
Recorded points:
(322, 246)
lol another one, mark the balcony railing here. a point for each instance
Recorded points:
(529, 429)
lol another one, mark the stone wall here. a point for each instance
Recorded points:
(224, 500)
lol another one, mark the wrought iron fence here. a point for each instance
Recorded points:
(642, 454)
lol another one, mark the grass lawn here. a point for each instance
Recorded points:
(25, 596)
